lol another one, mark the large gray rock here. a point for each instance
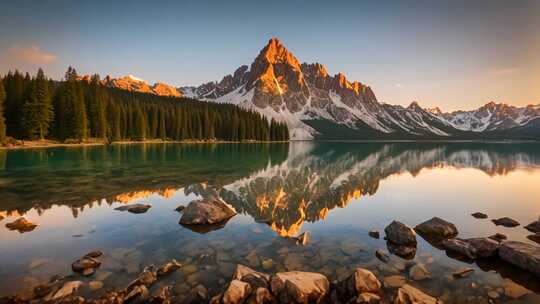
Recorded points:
(534, 227)
(300, 287)
(400, 234)
(135, 208)
(410, 295)
(484, 247)
(207, 211)
(460, 246)
(436, 228)
(521, 254)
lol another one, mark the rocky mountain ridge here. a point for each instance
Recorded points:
(135, 84)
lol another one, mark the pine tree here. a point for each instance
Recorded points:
(2, 119)
(37, 110)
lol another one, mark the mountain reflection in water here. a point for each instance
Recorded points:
(281, 185)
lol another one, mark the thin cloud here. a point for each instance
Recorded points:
(506, 71)
(399, 85)
(32, 54)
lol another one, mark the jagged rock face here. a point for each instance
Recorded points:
(132, 83)
(492, 116)
(277, 79)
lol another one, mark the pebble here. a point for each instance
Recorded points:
(95, 285)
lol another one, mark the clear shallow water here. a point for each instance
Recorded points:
(337, 191)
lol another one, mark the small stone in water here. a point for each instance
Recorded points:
(394, 281)
(267, 264)
(374, 234)
(492, 294)
(479, 215)
(419, 272)
(506, 222)
(94, 254)
(463, 272)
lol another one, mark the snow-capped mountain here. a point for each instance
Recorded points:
(135, 84)
(311, 101)
(490, 117)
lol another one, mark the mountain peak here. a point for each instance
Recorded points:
(131, 77)
(414, 105)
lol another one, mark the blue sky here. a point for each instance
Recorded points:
(454, 54)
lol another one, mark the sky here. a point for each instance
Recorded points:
(452, 54)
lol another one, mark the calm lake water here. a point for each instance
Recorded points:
(337, 191)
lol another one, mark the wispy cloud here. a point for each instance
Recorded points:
(506, 71)
(399, 85)
(32, 54)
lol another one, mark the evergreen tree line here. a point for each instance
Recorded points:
(38, 108)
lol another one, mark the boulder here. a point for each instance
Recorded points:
(300, 287)
(400, 234)
(207, 211)
(436, 229)
(410, 295)
(236, 293)
(22, 225)
(484, 247)
(366, 281)
(460, 246)
(85, 264)
(523, 255)
(479, 215)
(168, 267)
(534, 227)
(506, 222)
(374, 234)
(134, 208)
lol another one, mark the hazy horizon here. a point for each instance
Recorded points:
(457, 55)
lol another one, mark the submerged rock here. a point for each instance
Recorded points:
(22, 225)
(300, 287)
(400, 234)
(436, 229)
(146, 278)
(94, 254)
(410, 295)
(85, 265)
(460, 246)
(419, 272)
(463, 272)
(168, 267)
(534, 227)
(207, 211)
(135, 208)
(506, 222)
(67, 289)
(479, 215)
(523, 255)
(394, 281)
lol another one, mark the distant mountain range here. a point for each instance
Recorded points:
(315, 104)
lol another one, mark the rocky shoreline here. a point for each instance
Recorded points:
(294, 285)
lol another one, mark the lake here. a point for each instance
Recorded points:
(336, 191)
